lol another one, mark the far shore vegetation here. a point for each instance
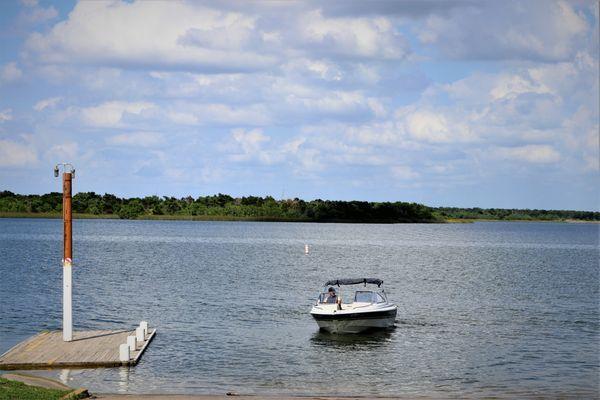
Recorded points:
(223, 207)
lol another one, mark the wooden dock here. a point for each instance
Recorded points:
(88, 349)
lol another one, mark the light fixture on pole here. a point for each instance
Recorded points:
(67, 261)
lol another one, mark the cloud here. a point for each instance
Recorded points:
(206, 114)
(520, 106)
(183, 118)
(431, 127)
(14, 154)
(320, 69)
(46, 103)
(336, 102)
(10, 72)
(250, 142)
(533, 30)
(141, 139)
(112, 113)
(537, 154)
(5, 115)
(29, 3)
(381, 133)
(192, 37)
(404, 172)
(406, 8)
(64, 151)
(38, 14)
(304, 102)
(511, 86)
(157, 35)
(351, 37)
(247, 146)
(582, 137)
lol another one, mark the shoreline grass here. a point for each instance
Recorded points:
(10, 389)
(182, 217)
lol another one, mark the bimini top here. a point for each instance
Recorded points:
(354, 281)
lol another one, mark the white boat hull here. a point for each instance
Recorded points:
(349, 321)
(355, 326)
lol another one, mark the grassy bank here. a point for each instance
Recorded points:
(150, 217)
(16, 390)
(54, 215)
(181, 217)
(439, 219)
(561, 220)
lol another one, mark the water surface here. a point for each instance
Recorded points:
(484, 308)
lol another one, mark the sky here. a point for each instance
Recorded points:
(446, 103)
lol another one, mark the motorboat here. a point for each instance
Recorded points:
(367, 309)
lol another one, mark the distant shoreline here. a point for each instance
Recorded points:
(223, 207)
(200, 218)
(273, 219)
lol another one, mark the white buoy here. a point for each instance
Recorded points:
(139, 334)
(305, 249)
(131, 341)
(144, 326)
(124, 352)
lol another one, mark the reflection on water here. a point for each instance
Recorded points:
(367, 340)
(64, 376)
(123, 379)
(484, 309)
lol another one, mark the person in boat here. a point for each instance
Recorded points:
(331, 296)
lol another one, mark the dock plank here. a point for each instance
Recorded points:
(88, 349)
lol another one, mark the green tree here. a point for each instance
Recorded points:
(131, 210)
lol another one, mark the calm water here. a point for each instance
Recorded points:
(484, 308)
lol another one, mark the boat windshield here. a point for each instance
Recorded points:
(367, 296)
(360, 296)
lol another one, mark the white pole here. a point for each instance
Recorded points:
(124, 352)
(67, 295)
(139, 334)
(132, 343)
(144, 326)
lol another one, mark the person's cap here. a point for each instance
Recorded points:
(331, 289)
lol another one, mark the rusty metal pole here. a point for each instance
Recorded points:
(67, 218)
(67, 259)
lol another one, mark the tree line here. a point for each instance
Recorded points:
(516, 214)
(220, 205)
(267, 208)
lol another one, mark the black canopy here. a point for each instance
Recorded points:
(354, 281)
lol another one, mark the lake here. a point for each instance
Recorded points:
(484, 309)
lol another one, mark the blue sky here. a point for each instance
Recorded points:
(464, 103)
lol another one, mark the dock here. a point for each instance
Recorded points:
(88, 349)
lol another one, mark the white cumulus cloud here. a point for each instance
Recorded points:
(5, 115)
(539, 154)
(63, 151)
(14, 154)
(531, 30)
(110, 114)
(141, 139)
(404, 172)
(10, 72)
(351, 37)
(47, 103)
(165, 35)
